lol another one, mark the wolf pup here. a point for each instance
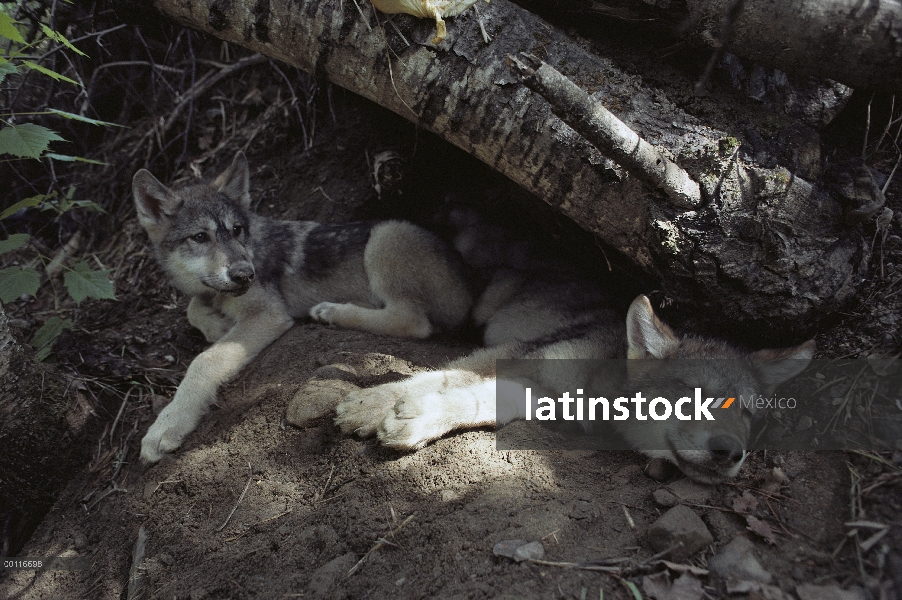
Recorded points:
(538, 308)
(249, 277)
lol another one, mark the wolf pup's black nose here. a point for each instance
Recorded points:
(242, 273)
(726, 449)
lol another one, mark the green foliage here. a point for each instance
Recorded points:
(8, 29)
(6, 68)
(18, 281)
(26, 140)
(26, 203)
(44, 338)
(83, 282)
(16, 240)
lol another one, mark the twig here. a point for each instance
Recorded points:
(379, 543)
(136, 575)
(198, 89)
(119, 414)
(608, 133)
(867, 128)
(362, 16)
(572, 565)
(332, 470)
(250, 476)
(115, 488)
(726, 32)
(485, 36)
(252, 527)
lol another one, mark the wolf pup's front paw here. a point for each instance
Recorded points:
(167, 433)
(416, 421)
(362, 410)
(326, 312)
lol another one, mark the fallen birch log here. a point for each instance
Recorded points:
(763, 248)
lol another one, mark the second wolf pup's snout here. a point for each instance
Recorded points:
(726, 450)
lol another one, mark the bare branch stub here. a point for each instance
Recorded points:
(608, 133)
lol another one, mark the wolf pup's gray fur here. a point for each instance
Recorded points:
(538, 308)
(249, 277)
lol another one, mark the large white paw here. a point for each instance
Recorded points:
(415, 421)
(167, 432)
(362, 410)
(326, 312)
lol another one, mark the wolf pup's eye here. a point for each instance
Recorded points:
(237, 230)
(200, 238)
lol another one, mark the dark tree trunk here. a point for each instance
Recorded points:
(763, 247)
(854, 42)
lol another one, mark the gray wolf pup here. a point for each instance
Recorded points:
(249, 277)
(534, 307)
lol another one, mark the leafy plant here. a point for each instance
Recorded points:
(29, 140)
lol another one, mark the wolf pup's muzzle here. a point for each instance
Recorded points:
(242, 275)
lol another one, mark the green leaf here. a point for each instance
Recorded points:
(27, 140)
(67, 158)
(48, 72)
(27, 203)
(8, 28)
(6, 68)
(45, 337)
(629, 585)
(16, 281)
(16, 240)
(59, 37)
(83, 282)
(75, 117)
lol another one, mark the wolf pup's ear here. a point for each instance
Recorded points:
(155, 203)
(235, 182)
(778, 365)
(647, 336)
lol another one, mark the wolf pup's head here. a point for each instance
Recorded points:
(200, 232)
(707, 451)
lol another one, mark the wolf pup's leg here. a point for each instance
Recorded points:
(409, 414)
(417, 279)
(207, 372)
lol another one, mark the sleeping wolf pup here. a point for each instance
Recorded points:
(250, 276)
(538, 308)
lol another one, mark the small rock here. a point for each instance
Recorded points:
(81, 541)
(690, 491)
(338, 371)
(737, 561)
(324, 578)
(449, 496)
(664, 497)
(809, 591)
(804, 423)
(530, 551)
(679, 525)
(316, 399)
(660, 469)
(166, 559)
(582, 510)
(756, 590)
(507, 548)
(149, 488)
